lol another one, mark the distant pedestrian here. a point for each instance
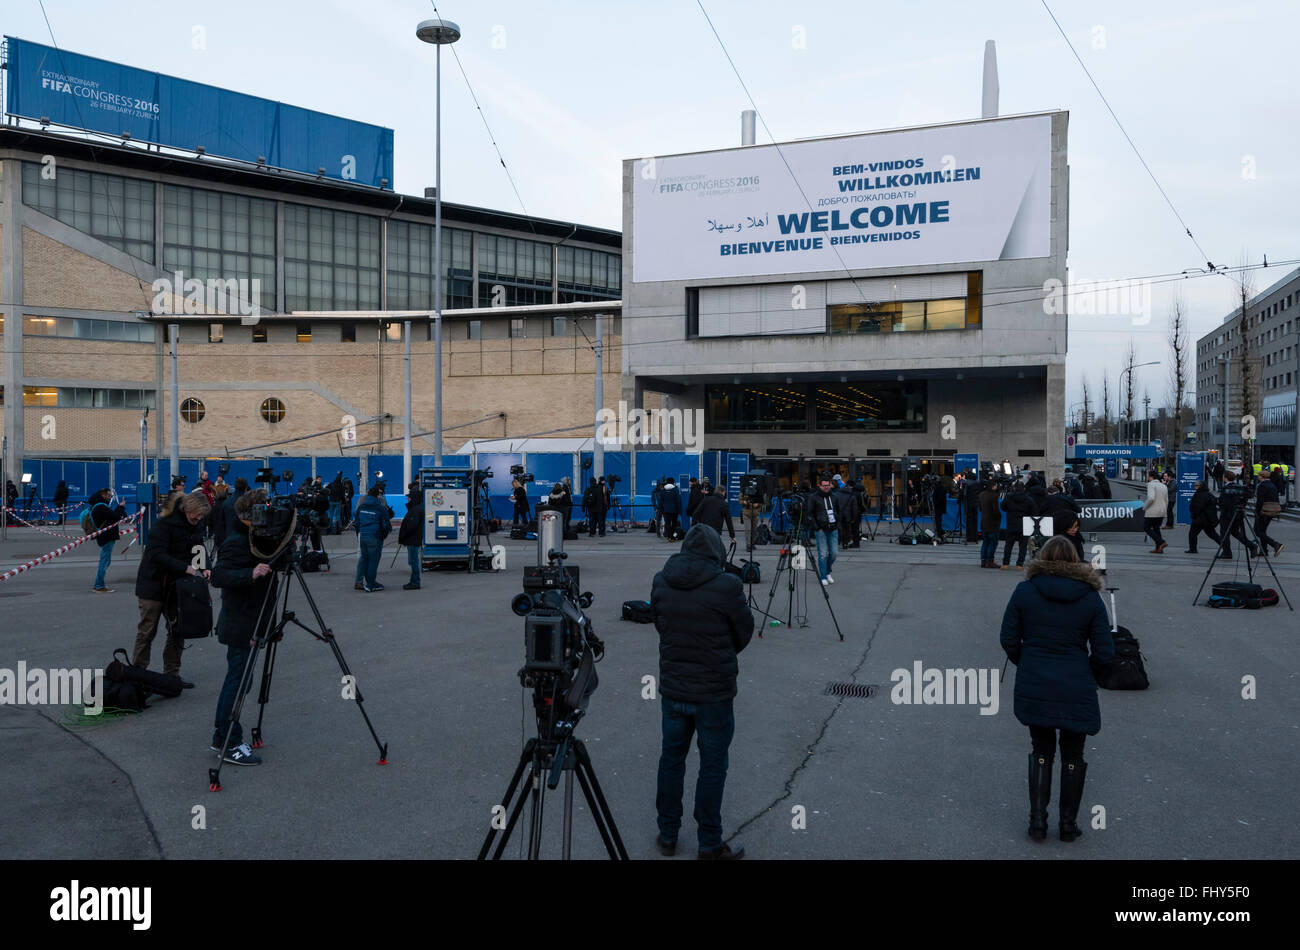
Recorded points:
(714, 511)
(61, 500)
(990, 523)
(1018, 505)
(1171, 490)
(519, 495)
(1267, 508)
(168, 557)
(1054, 619)
(104, 515)
(593, 503)
(372, 524)
(1154, 509)
(670, 503)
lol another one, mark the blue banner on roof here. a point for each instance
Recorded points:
(89, 93)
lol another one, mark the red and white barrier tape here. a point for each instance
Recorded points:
(53, 534)
(44, 507)
(126, 526)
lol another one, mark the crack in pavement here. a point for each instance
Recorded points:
(135, 793)
(788, 787)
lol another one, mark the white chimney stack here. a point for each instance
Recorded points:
(990, 100)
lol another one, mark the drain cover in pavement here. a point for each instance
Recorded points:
(852, 690)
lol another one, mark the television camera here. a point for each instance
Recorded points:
(518, 472)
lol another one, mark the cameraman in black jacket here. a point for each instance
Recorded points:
(1018, 506)
(712, 509)
(168, 556)
(247, 584)
(703, 622)
(1205, 514)
(1232, 512)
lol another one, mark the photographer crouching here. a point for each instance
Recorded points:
(245, 582)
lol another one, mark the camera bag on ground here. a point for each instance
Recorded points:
(1126, 671)
(762, 535)
(189, 608)
(313, 562)
(128, 687)
(1238, 590)
(518, 532)
(638, 611)
(1268, 597)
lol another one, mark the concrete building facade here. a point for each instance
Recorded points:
(987, 376)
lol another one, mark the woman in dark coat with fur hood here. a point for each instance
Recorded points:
(1055, 615)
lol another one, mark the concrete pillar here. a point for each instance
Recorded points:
(11, 291)
(1054, 423)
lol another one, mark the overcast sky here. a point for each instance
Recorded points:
(1206, 90)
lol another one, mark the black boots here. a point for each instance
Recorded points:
(1072, 774)
(1040, 793)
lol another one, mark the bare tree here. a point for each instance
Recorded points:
(1179, 351)
(1105, 405)
(1130, 363)
(1246, 291)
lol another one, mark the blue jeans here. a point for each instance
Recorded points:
(371, 549)
(828, 543)
(413, 559)
(989, 547)
(336, 512)
(714, 724)
(236, 659)
(105, 555)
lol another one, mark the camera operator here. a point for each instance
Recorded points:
(562, 501)
(411, 534)
(245, 582)
(824, 514)
(990, 522)
(703, 622)
(713, 510)
(970, 498)
(670, 503)
(1018, 505)
(228, 510)
(939, 504)
(593, 505)
(519, 495)
(102, 514)
(167, 557)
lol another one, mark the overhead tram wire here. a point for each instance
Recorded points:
(1129, 139)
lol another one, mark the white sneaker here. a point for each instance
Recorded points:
(829, 579)
(824, 584)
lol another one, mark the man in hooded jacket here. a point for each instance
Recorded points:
(703, 622)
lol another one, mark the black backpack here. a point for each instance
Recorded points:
(314, 562)
(762, 535)
(189, 610)
(637, 611)
(128, 687)
(1126, 671)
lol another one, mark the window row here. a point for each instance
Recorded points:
(192, 410)
(118, 211)
(83, 329)
(856, 407)
(584, 274)
(68, 397)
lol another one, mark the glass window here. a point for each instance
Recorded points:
(118, 211)
(216, 332)
(945, 314)
(304, 333)
(213, 236)
(474, 329)
(870, 406)
(331, 259)
(40, 396)
(349, 333)
(559, 326)
(272, 410)
(259, 333)
(586, 274)
(392, 332)
(757, 406)
(516, 328)
(521, 268)
(192, 410)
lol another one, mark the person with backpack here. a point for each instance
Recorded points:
(247, 583)
(61, 500)
(336, 503)
(349, 492)
(372, 524)
(411, 534)
(1052, 623)
(519, 496)
(1267, 507)
(168, 556)
(217, 516)
(99, 515)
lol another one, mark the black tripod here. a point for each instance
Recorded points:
(919, 508)
(1238, 519)
(269, 636)
(784, 565)
(552, 751)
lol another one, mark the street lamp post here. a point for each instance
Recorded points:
(440, 33)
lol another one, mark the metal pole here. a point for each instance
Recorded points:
(175, 449)
(598, 447)
(1227, 378)
(406, 393)
(437, 261)
(144, 445)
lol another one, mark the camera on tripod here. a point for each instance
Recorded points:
(558, 638)
(481, 475)
(274, 519)
(518, 472)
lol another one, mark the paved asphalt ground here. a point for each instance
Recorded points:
(1187, 769)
